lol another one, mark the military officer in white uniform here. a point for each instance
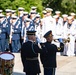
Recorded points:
(48, 22)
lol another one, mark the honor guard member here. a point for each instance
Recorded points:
(8, 15)
(74, 24)
(37, 21)
(24, 17)
(58, 28)
(32, 15)
(20, 15)
(3, 32)
(48, 58)
(27, 26)
(1, 11)
(64, 24)
(37, 25)
(58, 13)
(8, 19)
(58, 32)
(70, 37)
(15, 34)
(73, 17)
(13, 12)
(29, 54)
(65, 18)
(20, 11)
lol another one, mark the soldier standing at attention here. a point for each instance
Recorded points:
(15, 30)
(3, 32)
(29, 54)
(48, 59)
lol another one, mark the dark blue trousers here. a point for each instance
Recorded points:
(15, 45)
(31, 74)
(49, 71)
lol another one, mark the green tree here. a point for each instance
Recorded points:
(65, 6)
(68, 6)
(14, 4)
(5, 4)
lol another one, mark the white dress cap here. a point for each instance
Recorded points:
(44, 12)
(37, 15)
(33, 7)
(49, 9)
(27, 20)
(64, 15)
(72, 14)
(20, 8)
(13, 11)
(24, 13)
(14, 17)
(69, 17)
(57, 12)
(32, 12)
(55, 16)
(8, 10)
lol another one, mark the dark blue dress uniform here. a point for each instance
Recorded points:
(26, 28)
(16, 35)
(3, 32)
(29, 56)
(7, 38)
(48, 59)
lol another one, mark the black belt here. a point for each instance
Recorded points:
(35, 58)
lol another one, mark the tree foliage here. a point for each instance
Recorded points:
(14, 4)
(68, 6)
(65, 6)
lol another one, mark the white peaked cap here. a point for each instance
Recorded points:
(14, 17)
(64, 15)
(55, 16)
(25, 12)
(44, 11)
(27, 20)
(37, 15)
(20, 8)
(33, 7)
(57, 12)
(69, 17)
(49, 9)
(32, 12)
(72, 14)
(8, 10)
(13, 11)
